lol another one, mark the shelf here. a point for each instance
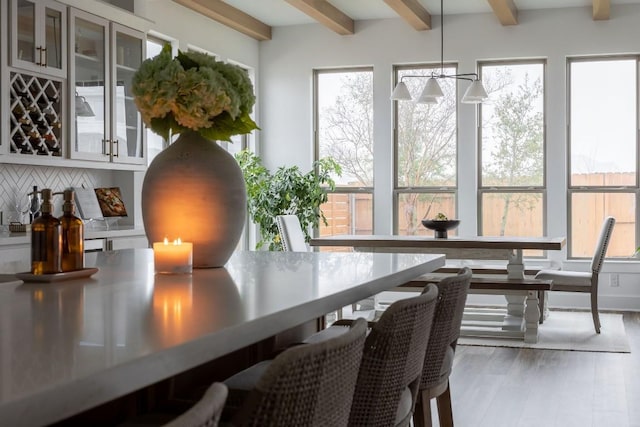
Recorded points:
(35, 112)
(126, 68)
(88, 58)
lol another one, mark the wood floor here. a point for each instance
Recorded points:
(513, 387)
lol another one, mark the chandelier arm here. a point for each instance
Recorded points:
(468, 75)
(455, 76)
(464, 76)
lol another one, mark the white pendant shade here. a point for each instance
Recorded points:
(475, 94)
(427, 100)
(432, 89)
(401, 93)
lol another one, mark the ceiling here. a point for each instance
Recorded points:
(278, 12)
(339, 15)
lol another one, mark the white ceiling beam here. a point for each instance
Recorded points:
(601, 9)
(506, 11)
(230, 16)
(412, 12)
(326, 14)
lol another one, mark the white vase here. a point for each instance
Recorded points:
(194, 190)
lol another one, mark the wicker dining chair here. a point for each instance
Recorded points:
(206, 412)
(392, 361)
(305, 385)
(438, 362)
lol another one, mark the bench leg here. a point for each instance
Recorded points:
(515, 305)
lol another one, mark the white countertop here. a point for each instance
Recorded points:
(68, 346)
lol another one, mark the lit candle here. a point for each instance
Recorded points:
(173, 257)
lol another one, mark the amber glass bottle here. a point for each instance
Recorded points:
(72, 234)
(46, 239)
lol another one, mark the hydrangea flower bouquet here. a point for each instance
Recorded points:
(194, 92)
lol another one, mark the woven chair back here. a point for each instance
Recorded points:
(392, 361)
(308, 385)
(452, 297)
(206, 412)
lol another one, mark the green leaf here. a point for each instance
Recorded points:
(287, 191)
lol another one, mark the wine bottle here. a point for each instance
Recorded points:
(46, 239)
(72, 234)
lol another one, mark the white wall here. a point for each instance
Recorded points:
(285, 99)
(188, 27)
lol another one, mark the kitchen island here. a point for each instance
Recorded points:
(68, 346)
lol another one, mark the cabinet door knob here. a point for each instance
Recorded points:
(116, 143)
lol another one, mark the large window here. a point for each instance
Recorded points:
(425, 152)
(512, 179)
(603, 173)
(344, 132)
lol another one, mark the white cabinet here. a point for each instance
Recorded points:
(39, 36)
(115, 243)
(15, 258)
(107, 125)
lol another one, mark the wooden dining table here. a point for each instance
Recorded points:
(518, 319)
(70, 345)
(509, 248)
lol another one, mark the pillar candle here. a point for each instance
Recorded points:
(173, 257)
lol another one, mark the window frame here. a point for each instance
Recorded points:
(316, 134)
(581, 189)
(536, 189)
(398, 190)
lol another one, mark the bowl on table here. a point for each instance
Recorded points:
(440, 227)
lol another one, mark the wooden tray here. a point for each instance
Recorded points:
(56, 277)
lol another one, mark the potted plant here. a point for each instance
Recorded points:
(287, 191)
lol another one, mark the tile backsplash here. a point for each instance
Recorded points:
(18, 180)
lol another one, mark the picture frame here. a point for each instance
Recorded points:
(111, 202)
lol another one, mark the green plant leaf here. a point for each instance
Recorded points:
(286, 191)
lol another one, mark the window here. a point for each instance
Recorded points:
(344, 132)
(425, 152)
(603, 173)
(511, 136)
(155, 143)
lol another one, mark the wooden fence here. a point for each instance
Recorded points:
(353, 214)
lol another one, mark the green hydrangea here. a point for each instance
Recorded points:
(195, 92)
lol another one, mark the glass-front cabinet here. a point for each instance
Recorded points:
(38, 36)
(127, 126)
(106, 125)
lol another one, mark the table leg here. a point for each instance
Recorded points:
(531, 318)
(515, 270)
(515, 265)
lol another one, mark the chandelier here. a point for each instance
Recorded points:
(475, 93)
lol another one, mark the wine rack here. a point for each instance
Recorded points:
(35, 115)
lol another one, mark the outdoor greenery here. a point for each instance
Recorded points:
(426, 150)
(288, 191)
(517, 158)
